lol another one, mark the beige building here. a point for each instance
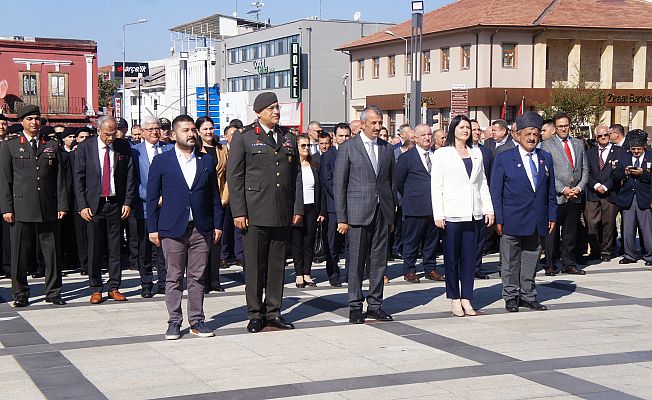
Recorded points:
(519, 49)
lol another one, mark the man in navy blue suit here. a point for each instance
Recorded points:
(524, 197)
(184, 223)
(484, 234)
(413, 183)
(633, 171)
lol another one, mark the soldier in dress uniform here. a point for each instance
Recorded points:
(32, 198)
(266, 199)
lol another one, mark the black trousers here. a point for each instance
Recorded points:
(264, 256)
(68, 254)
(303, 241)
(149, 256)
(81, 232)
(396, 236)
(338, 246)
(212, 270)
(105, 227)
(415, 231)
(135, 239)
(568, 219)
(5, 247)
(24, 236)
(231, 238)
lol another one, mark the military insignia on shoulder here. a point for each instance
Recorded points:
(11, 136)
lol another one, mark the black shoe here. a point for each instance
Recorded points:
(481, 275)
(574, 271)
(146, 293)
(217, 288)
(605, 258)
(160, 290)
(648, 263)
(511, 305)
(21, 302)
(83, 272)
(532, 305)
(593, 257)
(279, 323)
(37, 275)
(356, 317)
(397, 256)
(207, 289)
(551, 272)
(335, 283)
(390, 258)
(379, 315)
(57, 301)
(255, 325)
(626, 260)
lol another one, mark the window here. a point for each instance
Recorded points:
(391, 65)
(270, 48)
(134, 100)
(509, 55)
(466, 56)
(57, 85)
(445, 59)
(360, 70)
(30, 84)
(376, 70)
(425, 62)
(272, 80)
(408, 65)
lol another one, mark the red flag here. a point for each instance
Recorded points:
(504, 111)
(521, 110)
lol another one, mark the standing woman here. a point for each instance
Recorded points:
(461, 203)
(303, 235)
(208, 144)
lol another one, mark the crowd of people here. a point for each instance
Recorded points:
(172, 198)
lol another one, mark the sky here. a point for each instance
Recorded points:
(102, 21)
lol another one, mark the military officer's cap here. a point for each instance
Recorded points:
(264, 100)
(28, 110)
(637, 138)
(164, 122)
(83, 129)
(529, 119)
(68, 131)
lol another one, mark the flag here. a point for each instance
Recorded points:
(504, 111)
(521, 110)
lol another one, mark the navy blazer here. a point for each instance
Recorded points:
(141, 166)
(413, 184)
(487, 161)
(327, 172)
(521, 210)
(203, 198)
(604, 177)
(631, 186)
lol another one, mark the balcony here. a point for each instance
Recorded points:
(48, 105)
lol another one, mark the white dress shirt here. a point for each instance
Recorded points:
(101, 150)
(526, 164)
(308, 180)
(366, 141)
(151, 150)
(266, 129)
(422, 156)
(189, 170)
(605, 155)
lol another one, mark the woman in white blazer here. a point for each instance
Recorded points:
(461, 203)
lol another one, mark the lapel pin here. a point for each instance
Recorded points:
(518, 165)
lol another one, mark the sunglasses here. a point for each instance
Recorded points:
(304, 146)
(603, 135)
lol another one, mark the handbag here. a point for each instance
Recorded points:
(319, 249)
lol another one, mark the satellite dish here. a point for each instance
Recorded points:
(235, 14)
(356, 16)
(4, 87)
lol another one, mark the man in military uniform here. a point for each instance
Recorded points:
(32, 198)
(265, 200)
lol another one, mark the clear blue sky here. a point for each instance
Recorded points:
(102, 20)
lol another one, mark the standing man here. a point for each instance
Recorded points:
(166, 135)
(405, 133)
(547, 130)
(231, 251)
(499, 135)
(105, 190)
(365, 200)
(81, 226)
(524, 197)
(617, 136)
(325, 143)
(602, 189)
(338, 243)
(185, 223)
(413, 171)
(32, 199)
(438, 139)
(4, 125)
(266, 198)
(122, 128)
(571, 176)
(484, 235)
(5, 243)
(314, 130)
(356, 126)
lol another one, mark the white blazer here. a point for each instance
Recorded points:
(455, 196)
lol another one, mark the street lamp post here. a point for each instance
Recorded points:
(406, 107)
(124, 61)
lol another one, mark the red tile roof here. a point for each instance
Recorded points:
(605, 14)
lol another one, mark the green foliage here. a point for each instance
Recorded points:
(106, 90)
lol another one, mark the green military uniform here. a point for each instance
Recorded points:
(32, 187)
(264, 186)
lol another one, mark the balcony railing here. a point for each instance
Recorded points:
(48, 105)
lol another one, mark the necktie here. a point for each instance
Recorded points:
(271, 137)
(428, 162)
(533, 169)
(33, 143)
(637, 163)
(106, 174)
(156, 150)
(372, 156)
(600, 159)
(568, 153)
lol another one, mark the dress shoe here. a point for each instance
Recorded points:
(160, 290)
(379, 315)
(255, 325)
(605, 258)
(532, 305)
(480, 275)
(411, 277)
(207, 289)
(626, 260)
(593, 257)
(648, 263)
(96, 298)
(356, 317)
(57, 301)
(468, 308)
(146, 293)
(217, 288)
(456, 308)
(434, 276)
(116, 295)
(335, 283)
(511, 305)
(238, 263)
(574, 271)
(224, 264)
(550, 272)
(37, 275)
(21, 302)
(397, 256)
(279, 323)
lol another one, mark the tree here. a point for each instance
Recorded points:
(581, 100)
(106, 90)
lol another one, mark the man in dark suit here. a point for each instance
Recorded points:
(105, 189)
(499, 136)
(365, 200)
(185, 223)
(5, 243)
(617, 136)
(81, 226)
(337, 243)
(33, 198)
(634, 198)
(524, 198)
(266, 198)
(413, 171)
(601, 191)
(485, 235)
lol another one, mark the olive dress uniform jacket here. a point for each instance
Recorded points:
(264, 183)
(32, 186)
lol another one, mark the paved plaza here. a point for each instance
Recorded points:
(594, 342)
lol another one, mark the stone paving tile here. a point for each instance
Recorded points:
(16, 383)
(633, 379)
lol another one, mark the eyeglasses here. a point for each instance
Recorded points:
(304, 146)
(564, 127)
(151, 129)
(318, 130)
(603, 135)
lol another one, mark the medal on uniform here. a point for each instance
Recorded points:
(22, 139)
